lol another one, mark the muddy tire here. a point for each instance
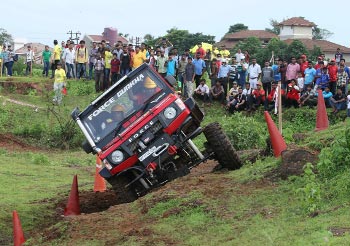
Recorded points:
(219, 143)
(124, 194)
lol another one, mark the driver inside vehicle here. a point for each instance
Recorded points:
(148, 89)
(116, 116)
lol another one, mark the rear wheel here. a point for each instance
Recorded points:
(220, 144)
(124, 194)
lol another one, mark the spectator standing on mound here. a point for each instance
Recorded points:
(45, 58)
(82, 58)
(57, 50)
(59, 84)
(29, 59)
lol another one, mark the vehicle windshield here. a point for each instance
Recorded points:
(116, 111)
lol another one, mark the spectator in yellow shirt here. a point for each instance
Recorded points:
(82, 58)
(56, 57)
(60, 78)
(108, 59)
(138, 58)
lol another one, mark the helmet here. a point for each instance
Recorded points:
(149, 83)
(118, 108)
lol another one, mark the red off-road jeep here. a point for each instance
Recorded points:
(142, 131)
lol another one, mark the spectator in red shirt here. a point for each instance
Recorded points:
(293, 94)
(200, 50)
(317, 66)
(115, 68)
(257, 98)
(304, 64)
(333, 72)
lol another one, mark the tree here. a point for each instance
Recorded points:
(275, 27)
(124, 35)
(278, 47)
(251, 44)
(5, 37)
(315, 52)
(237, 28)
(320, 33)
(296, 49)
(149, 40)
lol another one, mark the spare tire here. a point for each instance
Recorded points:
(220, 144)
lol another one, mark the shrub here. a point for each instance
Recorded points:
(245, 132)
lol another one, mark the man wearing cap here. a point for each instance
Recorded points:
(303, 65)
(254, 73)
(223, 74)
(332, 71)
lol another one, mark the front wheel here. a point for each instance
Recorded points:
(220, 144)
(124, 194)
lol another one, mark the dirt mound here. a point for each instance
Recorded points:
(294, 160)
(13, 143)
(25, 87)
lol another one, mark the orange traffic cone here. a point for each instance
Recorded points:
(18, 236)
(321, 116)
(100, 183)
(277, 141)
(73, 207)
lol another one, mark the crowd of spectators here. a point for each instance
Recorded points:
(237, 82)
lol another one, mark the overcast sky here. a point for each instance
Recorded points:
(42, 20)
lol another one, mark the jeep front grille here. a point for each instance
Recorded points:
(153, 129)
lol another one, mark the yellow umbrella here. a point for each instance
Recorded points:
(194, 49)
(207, 46)
(225, 52)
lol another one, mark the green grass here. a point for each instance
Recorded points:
(30, 180)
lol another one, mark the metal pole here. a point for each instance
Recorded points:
(280, 106)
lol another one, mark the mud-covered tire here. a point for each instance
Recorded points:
(220, 144)
(124, 194)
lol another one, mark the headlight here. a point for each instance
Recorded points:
(170, 113)
(117, 157)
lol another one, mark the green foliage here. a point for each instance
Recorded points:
(299, 119)
(237, 28)
(80, 88)
(39, 159)
(251, 44)
(5, 37)
(19, 67)
(314, 53)
(296, 48)
(4, 116)
(321, 33)
(310, 193)
(275, 27)
(335, 159)
(181, 39)
(278, 47)
(245, 132)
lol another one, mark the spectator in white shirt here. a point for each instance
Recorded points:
(202, 92)
(254, 73)
(69, 59)
(29, 59)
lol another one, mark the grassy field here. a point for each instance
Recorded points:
(243, 207)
